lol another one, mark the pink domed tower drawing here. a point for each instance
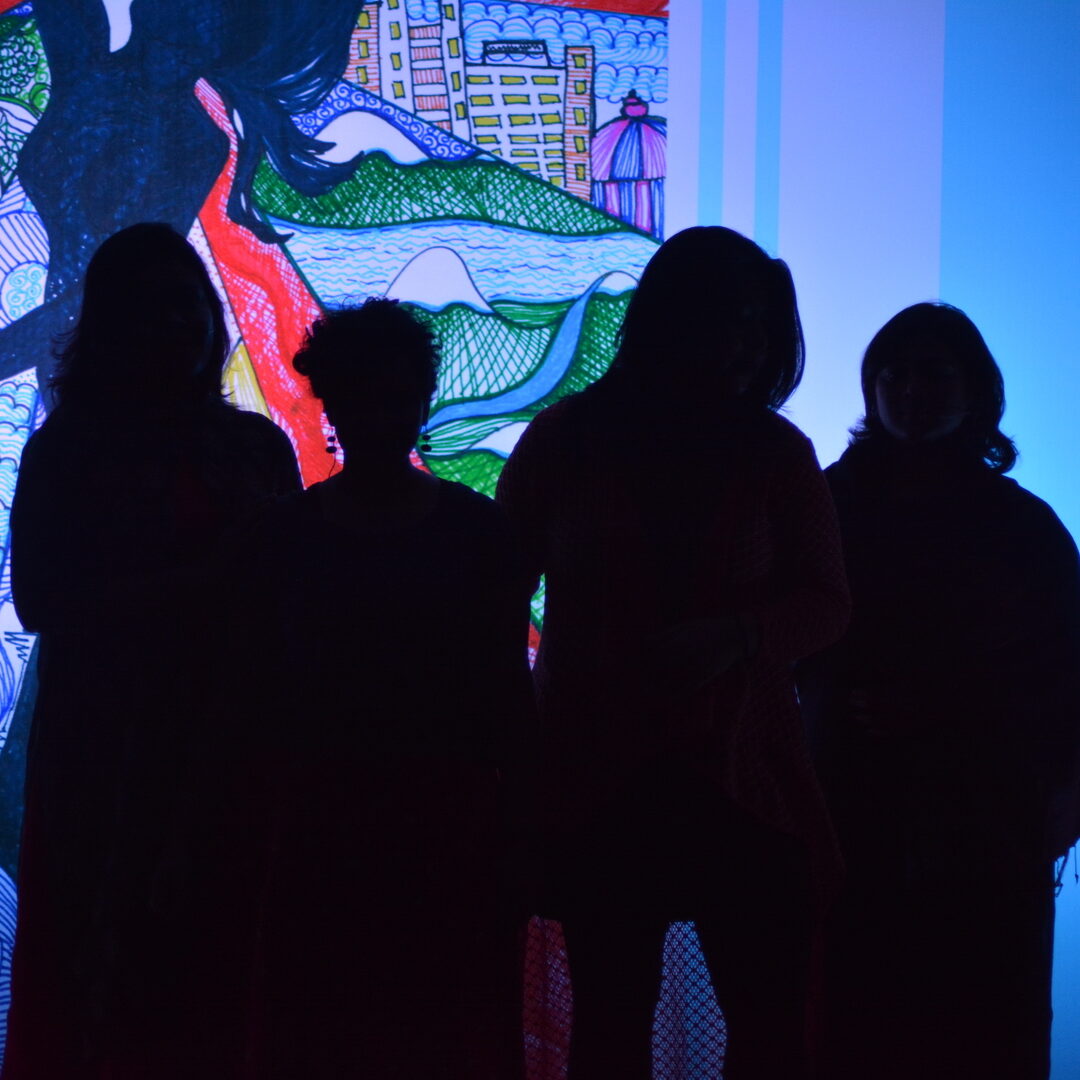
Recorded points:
(628, 166)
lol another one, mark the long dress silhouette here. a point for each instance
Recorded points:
(120, 501)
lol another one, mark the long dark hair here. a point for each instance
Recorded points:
(92, 365)
(700, 281)
(949, 327)
(275, 60)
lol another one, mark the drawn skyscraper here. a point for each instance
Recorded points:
(578, 122)
(363, 66)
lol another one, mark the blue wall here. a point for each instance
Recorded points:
(1010, 256)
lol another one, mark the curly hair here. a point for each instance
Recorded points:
(339, 344)
(953, 330)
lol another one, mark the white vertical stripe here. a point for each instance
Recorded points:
(860, 184)
(684, 115)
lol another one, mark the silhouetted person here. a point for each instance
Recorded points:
(691, 553)
(948, 722)
(124, 489)
(389, 686)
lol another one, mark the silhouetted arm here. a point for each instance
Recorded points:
(809, 604)
(1044, 671)
(43, 541)
(524, 492)
(285, 472)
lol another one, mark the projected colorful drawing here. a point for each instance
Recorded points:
(499, 165)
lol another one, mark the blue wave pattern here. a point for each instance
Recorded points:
(20, 413)
(348, 266)
(613, 83)
(8, 911)
(423, 10)
(555, 365)
(345, 97)
(24, 255)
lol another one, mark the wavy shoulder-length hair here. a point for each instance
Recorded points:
(94, 361)
(949, 328)
(702, 283)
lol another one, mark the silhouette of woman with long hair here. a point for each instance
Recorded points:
(691, 554)
(389, 689)
(947, 721)
(121, 494)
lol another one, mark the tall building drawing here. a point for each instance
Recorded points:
(578, 122)
(515, 99)
(431, 100)
(395, 60)
(363, 66)
(453, 59)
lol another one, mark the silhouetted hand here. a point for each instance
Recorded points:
(686, 656)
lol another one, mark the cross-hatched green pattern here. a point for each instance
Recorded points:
(383, 193)
(483, 353)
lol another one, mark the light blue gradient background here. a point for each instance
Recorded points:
(917, 149)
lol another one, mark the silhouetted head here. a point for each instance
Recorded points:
(374, 368)
(713, 318)
(151, 328)
(929, 378)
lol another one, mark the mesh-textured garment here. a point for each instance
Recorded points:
(689, 1035)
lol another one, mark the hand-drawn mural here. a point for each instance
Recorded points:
(499, 165)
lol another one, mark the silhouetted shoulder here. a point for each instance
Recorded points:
(1034, 509)
(463, 499)
(262, 439)
(255, 424)
(484, 525)
(785, 434)
(66, 429)
(459, 509)
(1032, 516)
(534, 473)
(551, 425)
(572, 406)
(561, 433)
(279, 517)
(780, 450)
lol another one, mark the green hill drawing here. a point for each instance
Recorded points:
(381, 192)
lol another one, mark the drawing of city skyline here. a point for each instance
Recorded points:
(532, 84)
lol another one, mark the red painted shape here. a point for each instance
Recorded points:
(273, 307)
(7, 5)
(624, 7)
